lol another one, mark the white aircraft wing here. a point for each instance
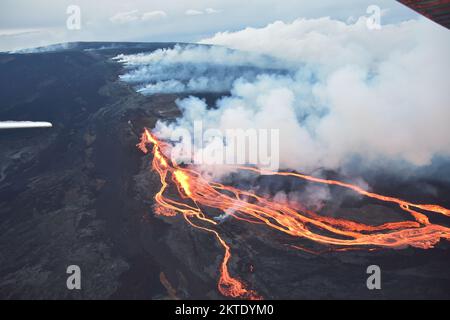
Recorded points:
(23, 124)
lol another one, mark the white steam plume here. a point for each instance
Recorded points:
(193, 68)
(375, 94)
(349, 91)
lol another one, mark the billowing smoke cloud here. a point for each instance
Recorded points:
(376, 95)
(350, 92)
(194, 69)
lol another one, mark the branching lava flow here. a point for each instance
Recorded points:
(195, 192)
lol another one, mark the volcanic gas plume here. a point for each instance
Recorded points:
(197, 197)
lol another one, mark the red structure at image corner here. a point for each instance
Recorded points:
(436, 10)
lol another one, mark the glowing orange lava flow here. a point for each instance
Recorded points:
(196, 192)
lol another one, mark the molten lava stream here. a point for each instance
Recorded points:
(195, 192)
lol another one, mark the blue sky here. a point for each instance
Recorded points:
(26, 23)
